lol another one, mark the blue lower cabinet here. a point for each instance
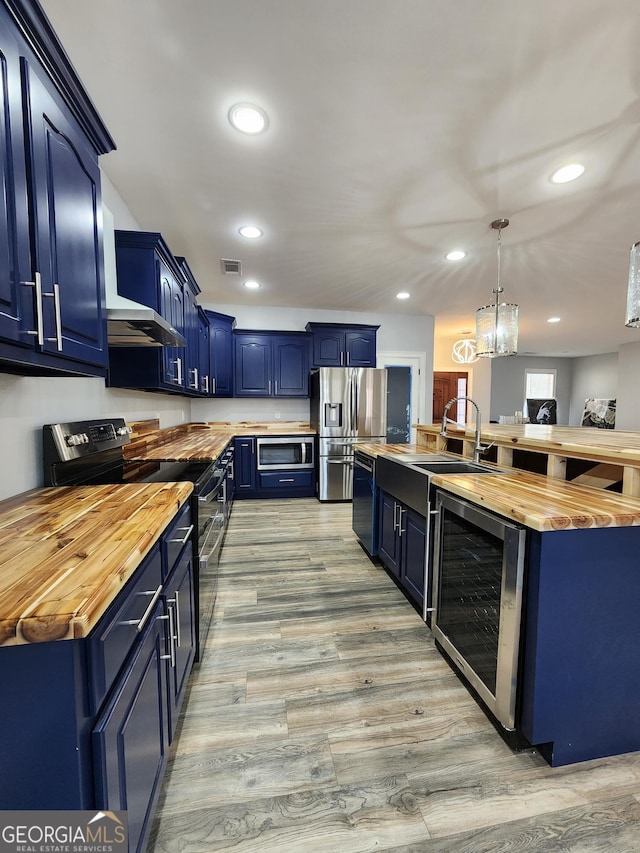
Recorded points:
(130, 739)
(95, 716)
(287, 483)
(245, 466)
(402, 545)
(180, 603)
(580, 684)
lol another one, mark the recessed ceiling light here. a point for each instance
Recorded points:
(251, 232)
(252, 285)
(403, 295)
(567, 173)
(456, 255)
(553, 320)
(248, 118)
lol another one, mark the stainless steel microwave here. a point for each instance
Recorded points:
(284, 453)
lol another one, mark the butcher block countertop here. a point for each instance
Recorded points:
(376, 449)
(607, 445)
(65, 554)
(541, 503)
(198, 442)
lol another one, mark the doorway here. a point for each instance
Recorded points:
(398, 405)
(406, 400)
(446, 386)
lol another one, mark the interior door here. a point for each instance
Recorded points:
(445, 387)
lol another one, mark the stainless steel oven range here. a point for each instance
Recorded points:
(84, 453)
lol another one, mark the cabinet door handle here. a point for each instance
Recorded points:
(276, 391)
(205, 382)
(56, 303)
(172, 638)
(269, 386)
(186, 535)
(213, 385)
(400, 514)
(348, 358)
(140, 623)
(37, 285)
(178, 364)
(177, 600)
(194, 384)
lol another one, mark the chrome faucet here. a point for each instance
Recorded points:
(478, 448)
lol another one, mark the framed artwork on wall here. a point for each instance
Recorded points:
(541, 411)
(599, 412)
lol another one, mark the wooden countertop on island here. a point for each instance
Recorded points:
(615, 454)
(539, 502)
(65, 554)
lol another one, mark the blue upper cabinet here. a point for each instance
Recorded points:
(65, 187)
(271, 364)
(220, 353)
(337, 345)
(204, 358)
(148, 273)
(193, 370)
(52, 317)
(16, 301)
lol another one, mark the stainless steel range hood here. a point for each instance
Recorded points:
(130, 324)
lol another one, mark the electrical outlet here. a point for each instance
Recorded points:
(277, 415)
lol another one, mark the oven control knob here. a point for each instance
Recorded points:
(76, 439)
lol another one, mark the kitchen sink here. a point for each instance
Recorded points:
(407, 477)
(454, 467)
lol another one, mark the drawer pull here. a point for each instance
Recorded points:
(186, 535)
(286, 480)
(147, 613)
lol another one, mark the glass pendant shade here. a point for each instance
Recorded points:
(497, 324)
(497, 329)
(633, 293)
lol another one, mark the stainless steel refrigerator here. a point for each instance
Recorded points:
(348, 405)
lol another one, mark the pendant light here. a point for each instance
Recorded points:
(633, 293)
(464, 351)
(497, 323)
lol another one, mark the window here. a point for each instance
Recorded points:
(540, 383)
(540, 396)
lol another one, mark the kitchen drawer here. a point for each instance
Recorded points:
(286, 479)
(175, 538)
(109, 644)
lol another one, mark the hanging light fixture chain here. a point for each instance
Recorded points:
(498, 225)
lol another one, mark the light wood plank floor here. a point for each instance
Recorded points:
(323, 719)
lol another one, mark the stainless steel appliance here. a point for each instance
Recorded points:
(477, 596)
(348, 405)
(365, 502)
(91, 453)
(408, 478)
(283, 453)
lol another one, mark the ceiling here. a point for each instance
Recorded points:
(399, 129)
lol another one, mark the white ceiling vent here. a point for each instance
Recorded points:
(230, 267)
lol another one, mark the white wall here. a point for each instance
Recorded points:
(594, 376)
(27, 403)
(628, 405)
(479, 385)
